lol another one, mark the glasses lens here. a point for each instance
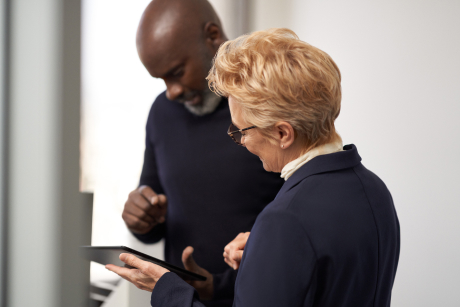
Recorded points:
(234, 133)
(233, 128)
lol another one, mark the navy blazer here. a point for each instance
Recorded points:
(330, 238)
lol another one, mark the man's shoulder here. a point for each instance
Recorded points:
(160, 101)
(162, 106)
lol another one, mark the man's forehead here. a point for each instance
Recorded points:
(163, 55)
(163, 25)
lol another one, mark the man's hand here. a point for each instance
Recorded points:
(145, 275)
(144, 209)
(233, 252)
(204, 288)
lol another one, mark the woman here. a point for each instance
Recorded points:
(331, 236)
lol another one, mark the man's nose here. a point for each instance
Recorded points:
(174, 90)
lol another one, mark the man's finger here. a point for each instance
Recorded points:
(139, 213)
(135, 198)
(134, 222)
(188, 261)
(149, 194)
(162, 200)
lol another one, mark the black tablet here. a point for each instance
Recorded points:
(110, 255)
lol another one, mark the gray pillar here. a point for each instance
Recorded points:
(3, 145)
(45, 208)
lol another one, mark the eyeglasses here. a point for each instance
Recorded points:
(236, 134)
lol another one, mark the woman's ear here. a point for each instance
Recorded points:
(214, 36)
(285, 134)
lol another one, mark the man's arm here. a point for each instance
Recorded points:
(224, 284)
(145, 210)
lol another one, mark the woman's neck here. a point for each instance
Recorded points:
(297, 163)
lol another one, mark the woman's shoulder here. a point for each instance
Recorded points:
(326, 197)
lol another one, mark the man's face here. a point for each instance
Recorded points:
(183, 64)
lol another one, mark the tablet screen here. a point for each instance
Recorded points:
(110, 255)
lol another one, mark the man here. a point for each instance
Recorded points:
(196, 188)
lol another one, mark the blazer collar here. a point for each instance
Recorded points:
(347, 158)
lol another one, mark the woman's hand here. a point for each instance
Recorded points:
(145, 274)
(233, 252)
(205, 288)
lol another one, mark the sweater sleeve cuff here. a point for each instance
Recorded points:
(172, 291)
(224, 284)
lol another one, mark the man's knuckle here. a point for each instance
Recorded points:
(138, 223)
(134, 194)
(143, 214)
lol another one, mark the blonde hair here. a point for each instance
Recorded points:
(277, 77)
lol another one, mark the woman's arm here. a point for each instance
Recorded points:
(278, 265)
(167, 288)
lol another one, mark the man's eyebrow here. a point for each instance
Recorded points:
(172, 70)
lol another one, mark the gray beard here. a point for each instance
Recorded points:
(207, 106)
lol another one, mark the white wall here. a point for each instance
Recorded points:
(117, 93)
(400, 63)
(234, 16)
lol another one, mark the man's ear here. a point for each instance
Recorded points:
(214, 35)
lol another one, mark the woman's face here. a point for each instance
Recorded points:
(271, 155)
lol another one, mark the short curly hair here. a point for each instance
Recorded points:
(277, 77)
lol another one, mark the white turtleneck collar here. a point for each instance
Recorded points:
(325, 149)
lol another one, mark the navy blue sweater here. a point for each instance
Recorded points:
(330, 238)
(215, 188)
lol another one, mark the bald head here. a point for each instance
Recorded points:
(176, 41)
(164, 17)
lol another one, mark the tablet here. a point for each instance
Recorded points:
(110, 255)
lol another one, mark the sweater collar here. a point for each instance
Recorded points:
(347, 158)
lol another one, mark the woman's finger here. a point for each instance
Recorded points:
(122, 272)
(237, 255)
(238, 243)
(150, 269)
(133, 261)
(234, 265)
